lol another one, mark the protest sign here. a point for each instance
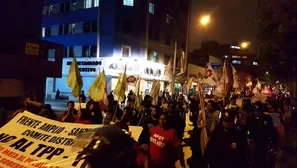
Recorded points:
(31, 141)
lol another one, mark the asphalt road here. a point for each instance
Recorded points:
(289, 152)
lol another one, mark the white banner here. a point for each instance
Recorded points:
(31, 141)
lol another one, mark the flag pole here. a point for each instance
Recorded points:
(173, 69)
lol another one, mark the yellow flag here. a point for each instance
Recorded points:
(120, 91)
(138, 98)
(154, 93)
(189, 85)
(97, 89)
(74, 79)
(118, 86)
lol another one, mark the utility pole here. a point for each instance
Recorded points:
(188, 35)
(147, 29)
(98, 32)
(173, 69)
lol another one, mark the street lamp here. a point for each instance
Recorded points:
(244, 45)
(204, 20)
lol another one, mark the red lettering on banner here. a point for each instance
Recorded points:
(10, 154)
(21, 158)
(25, 160)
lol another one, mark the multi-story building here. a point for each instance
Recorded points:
(24, 57)
(244, 61)
(108, 34)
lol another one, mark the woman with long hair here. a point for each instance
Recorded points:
(96, 114)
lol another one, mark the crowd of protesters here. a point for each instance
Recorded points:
(247, 135)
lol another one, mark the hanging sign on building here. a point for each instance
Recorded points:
(146, 69)
(32, 49)
(87, 66)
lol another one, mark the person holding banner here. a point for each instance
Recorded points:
(30, 104)
(83, 117)
(96, 114)
(71, 114)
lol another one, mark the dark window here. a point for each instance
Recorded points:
(85, 51)
(151, 33)
(157, 35)
(87, 27)
(47, 31)
(126, 51)
(70, 51)
(93, 52)
(66, 28)
(44, 10)
(168, 40)
(127, 26)
(168, 19)
(67, 6)
(65, 52)
(94, 26)
(62, 7)
(60, 30)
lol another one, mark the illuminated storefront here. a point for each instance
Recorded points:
(146, 70)
(113, 66)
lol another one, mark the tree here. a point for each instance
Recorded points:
(277, 37)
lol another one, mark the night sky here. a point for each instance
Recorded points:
(231, 20)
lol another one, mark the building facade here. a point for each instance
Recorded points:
(24, 57)
(108, 34)
(244, 61)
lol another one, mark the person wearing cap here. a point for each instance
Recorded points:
(227, 146)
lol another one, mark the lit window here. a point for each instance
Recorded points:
(128, 2)
(74, 4)
(96, 3)
(168, 19)
(156, 56)
(43, 32)
(236, 62)
(87, 4)
(72, 28)
(126, 51)
(236, 47)
(152, 8)
(255, 63)
(235, 56)
(244, 57)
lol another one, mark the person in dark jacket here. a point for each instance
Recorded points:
(47, 112)
(227, 146)
(194, 109)
(262, 135)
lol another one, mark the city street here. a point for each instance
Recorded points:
(289, 152)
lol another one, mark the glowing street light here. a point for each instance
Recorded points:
(244, 45)
(204, 20)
